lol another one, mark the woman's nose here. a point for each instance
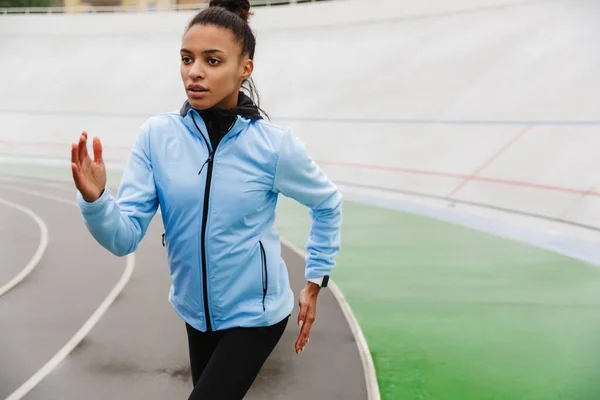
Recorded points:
(197, 71)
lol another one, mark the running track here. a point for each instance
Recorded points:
(131, 344)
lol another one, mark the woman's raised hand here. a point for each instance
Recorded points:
(89, 174)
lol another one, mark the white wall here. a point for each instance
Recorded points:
(416, 96)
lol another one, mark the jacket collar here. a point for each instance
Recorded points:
(245, 108)
(243, 114)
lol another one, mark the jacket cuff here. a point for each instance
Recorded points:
(91, 207)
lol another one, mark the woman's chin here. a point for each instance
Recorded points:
(200, 104)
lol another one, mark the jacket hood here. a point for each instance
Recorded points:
(245, 108)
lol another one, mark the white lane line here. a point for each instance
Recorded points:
(41, 194)
(43, 372)
(37, 256)
(26, 180)
(361, 342)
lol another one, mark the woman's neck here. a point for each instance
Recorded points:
(229, 102)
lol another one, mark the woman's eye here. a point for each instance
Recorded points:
(213, 61)
(186, 59)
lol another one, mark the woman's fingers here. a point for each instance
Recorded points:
(302, 313)
(76, 165)
(83, 153)
(305, 331)
(301, 318)
(306, 318)
(78, 156)
(97, 145)
(76, 175)
(75, 154)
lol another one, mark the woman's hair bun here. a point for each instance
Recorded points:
(239, 7)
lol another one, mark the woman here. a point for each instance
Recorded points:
(216, 168)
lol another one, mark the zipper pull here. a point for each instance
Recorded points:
(209, 159)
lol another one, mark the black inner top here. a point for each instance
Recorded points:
(219, 121)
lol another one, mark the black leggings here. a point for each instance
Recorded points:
(225, 363)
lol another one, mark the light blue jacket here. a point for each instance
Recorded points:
(243, 281)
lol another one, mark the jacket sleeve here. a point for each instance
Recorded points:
(120, 223)
(298, 176)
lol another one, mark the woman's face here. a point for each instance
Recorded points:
(212, 67)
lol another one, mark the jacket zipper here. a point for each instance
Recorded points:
(265, 276)
(209, 163)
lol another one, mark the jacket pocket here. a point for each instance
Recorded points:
(265, 275)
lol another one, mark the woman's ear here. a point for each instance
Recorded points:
(248, 68)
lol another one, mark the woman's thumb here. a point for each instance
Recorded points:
(97, 145)
(302, 313)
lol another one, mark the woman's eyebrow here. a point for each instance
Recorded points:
(210, 51)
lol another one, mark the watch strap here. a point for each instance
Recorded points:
(321, 282)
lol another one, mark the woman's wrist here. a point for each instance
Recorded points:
(313, 287)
